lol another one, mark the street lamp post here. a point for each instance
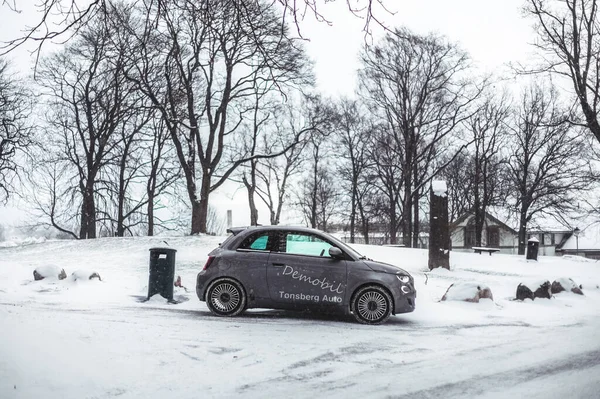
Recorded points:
(576, 232)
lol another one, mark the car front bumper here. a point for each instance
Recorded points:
(405, 303)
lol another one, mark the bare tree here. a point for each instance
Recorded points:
(353, 131)
(89, 101)
(418, 86)
(546, 166)
(198, 63)
(15, 128)
(163, 170)
(488, 129)
(386, 176)
(459, 179)
(569, 40)
(53, 198)
(63, 18)
(318, 195)
(273, 175)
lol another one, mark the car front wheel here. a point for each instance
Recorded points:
(371, 305)
(226, 297)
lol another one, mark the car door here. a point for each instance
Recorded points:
(303, 272)
(251, 259)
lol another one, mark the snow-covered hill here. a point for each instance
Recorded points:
(78, 339)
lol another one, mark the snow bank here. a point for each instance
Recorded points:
(18, 242)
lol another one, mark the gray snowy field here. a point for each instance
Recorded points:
(91, 339)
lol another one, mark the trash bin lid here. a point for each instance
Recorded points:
(162, 249)
(533, 239)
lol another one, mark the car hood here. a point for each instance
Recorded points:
(385, 268)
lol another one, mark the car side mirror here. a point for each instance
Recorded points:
(336, 253)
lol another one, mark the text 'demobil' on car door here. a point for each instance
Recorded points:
(303, 272)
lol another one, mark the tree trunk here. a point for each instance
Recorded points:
(251, 188)
(415, 241)
(200, 207)
(393, 224)
(523, 231)
(252, 205)
(199, 216)
(121, 207)
(88, 205)
(407, 217)
(591, 117)
(352, 215)
(150, 211)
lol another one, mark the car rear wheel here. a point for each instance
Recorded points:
(226, 297)
(371, 305)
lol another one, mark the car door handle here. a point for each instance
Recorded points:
(278, 264)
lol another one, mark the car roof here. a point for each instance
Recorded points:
(237, 230)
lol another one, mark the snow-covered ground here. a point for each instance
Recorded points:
(94, 339)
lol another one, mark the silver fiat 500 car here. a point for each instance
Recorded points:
(293, 268)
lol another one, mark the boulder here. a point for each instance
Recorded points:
(543, 290)
(85, 275)
(532, 291)
(469, 292)
(565, 284)
(49, 271)
(523, 292)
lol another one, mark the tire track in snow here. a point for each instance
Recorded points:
(482, 384)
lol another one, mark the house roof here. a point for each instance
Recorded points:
(589, 239)
(538, 224)
(488, 215)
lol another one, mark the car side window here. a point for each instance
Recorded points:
(306, 244)
(262, 241)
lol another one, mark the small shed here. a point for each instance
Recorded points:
(495, 234)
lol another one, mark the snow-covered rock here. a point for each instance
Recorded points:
(469, 292)
(85, 275)
(565, 284)
(49, 271)
(535, 290)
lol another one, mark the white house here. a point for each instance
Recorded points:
(496, 234)
(500, 231)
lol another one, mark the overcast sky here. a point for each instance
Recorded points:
(493, 33)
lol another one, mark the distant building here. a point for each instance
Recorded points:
(500, 231)
(495, 234)
(586, 243)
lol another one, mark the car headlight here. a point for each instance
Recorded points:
(403, 279)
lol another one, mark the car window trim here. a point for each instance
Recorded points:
(252, 250)
(311, 256)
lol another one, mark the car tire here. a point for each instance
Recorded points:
(371, 305)
(226, 297)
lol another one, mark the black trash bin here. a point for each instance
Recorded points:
(533, 246)
(162, 272)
